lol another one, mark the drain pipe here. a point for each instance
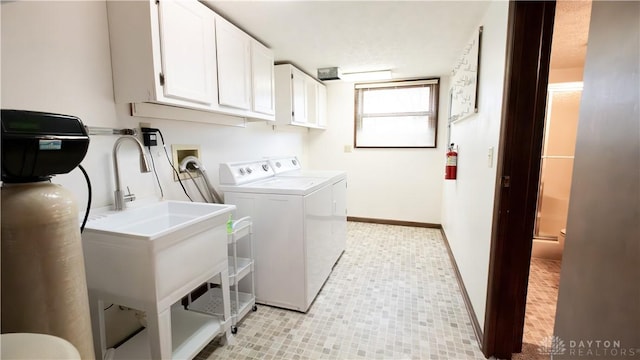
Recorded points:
(192, 162)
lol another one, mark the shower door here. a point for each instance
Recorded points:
(561, 123)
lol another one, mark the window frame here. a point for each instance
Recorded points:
(434, 83)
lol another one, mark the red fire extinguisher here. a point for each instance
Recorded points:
(451, 169)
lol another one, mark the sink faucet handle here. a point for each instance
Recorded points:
(119, 199)
(129, 197)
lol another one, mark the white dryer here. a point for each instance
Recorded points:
(290, 166)
(292, 230)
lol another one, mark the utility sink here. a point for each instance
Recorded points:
(149, 257)
(157, 220)
(152, 252)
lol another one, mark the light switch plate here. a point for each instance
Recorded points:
(490, 157)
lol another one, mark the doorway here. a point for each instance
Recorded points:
(530, 70)
(554, 187)
(568, 52)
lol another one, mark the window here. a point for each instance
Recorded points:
(400, 114)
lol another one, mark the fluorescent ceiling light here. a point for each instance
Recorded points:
(366, 76)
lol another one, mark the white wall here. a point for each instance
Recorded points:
(393, 184)
(55, 58)
(467, 210)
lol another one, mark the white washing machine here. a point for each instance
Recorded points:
(292, 230)
(290, 166)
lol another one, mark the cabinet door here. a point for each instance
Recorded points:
(312, 101)
(263, 79)
(234, 65)
(187, 51)
(299, 93)
(322, 106)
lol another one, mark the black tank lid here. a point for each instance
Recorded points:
(38, 145)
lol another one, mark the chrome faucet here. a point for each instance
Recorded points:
(120, 198)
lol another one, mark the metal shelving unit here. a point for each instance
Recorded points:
(241, 279)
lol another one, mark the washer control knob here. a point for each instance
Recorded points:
(249, 170)
(294, 162)
(241, 171)
(265, 167)
(278, 165)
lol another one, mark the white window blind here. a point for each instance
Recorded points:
(400, 114)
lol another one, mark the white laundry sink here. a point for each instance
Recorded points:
(148, 258)
(155, 220)
(155, 252)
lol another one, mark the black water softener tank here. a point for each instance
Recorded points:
(44, 289)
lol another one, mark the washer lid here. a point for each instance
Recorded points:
(290, 166)
(280, 185)
(331, 175)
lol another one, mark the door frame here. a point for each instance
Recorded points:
(530, 30)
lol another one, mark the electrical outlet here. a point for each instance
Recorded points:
(348, 148)
(150, 139)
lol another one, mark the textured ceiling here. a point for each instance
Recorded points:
(412, 38)
(570, 33)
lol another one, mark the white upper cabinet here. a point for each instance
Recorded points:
(188, 52)
(263, 79)
(300, 99)
(234, 65)
(322, 107)
(312, 102)
(181, 53)
(299, 92)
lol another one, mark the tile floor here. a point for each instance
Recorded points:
(542, 296)
(392, 295)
